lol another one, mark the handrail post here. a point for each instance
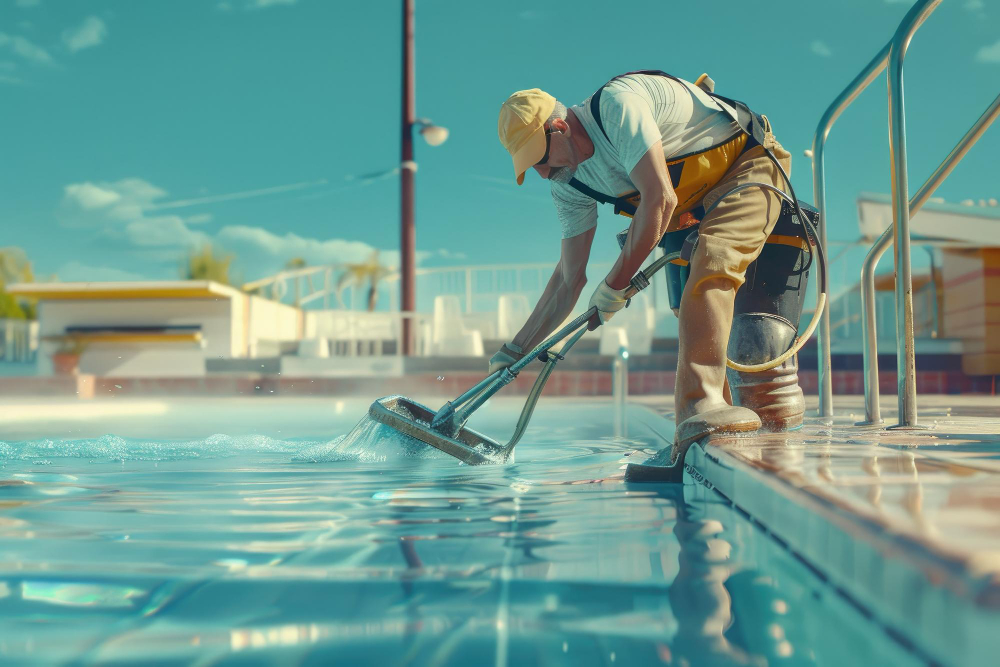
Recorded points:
(846, 97)
(905, 354)
(869, 330)
(824, 363)
(875, 254)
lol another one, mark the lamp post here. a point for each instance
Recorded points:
(434, 136)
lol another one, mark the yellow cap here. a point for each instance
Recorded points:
(522, 127)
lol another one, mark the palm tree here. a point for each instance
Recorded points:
(204, 264)
(15, 268)
(356, 275)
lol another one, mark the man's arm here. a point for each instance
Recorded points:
(561, 293)
(656, 206)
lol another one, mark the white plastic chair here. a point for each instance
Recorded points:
(450, 336)
(637, 321)
(314, 348)
(613, 339)
(512, 313)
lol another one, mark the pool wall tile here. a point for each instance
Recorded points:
(924, 594)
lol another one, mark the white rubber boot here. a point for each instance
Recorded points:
(700, 391)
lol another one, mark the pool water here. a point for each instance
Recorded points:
(234, 549)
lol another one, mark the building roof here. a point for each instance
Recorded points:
(962, 224)
(111, 291)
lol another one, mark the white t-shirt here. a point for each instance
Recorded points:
(636, 111)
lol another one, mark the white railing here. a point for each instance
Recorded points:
(360, 334)
(18, 340)
(477, 289)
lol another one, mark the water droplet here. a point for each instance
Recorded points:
(256, 387)
(118, 386)
(440, 377)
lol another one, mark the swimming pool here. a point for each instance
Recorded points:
(233, 548)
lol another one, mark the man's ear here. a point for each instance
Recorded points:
(559, 125)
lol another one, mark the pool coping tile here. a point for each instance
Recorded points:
(883, 550)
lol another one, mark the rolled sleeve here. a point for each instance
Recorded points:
(577, 213)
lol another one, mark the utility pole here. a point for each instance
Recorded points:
(407, 171)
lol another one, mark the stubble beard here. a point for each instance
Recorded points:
(564, 174)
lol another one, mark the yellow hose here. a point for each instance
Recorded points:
(777, 361)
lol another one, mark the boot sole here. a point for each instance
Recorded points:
(674, 473)
(640, 472)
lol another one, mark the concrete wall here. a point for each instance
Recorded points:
(972, 306)
(270, 323)
(139, 359)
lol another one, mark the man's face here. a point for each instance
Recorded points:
(563, 158)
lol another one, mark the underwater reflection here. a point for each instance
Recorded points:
(728, 612)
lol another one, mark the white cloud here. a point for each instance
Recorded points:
(90, 196)
(25, 49)
(96, 205)
(974, 5)
(120, 209)
(263, 248)
(125, 213)
(89, 33)
(76, 271)
(989, 54)
(820, 48)
(28, 3)
(167, 231)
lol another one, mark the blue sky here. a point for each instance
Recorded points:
(134, 130)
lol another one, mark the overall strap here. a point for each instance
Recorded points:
(748, 121)
(591, 192)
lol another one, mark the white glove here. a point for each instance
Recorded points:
(608, 301)
(509, 354)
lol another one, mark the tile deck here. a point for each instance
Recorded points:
(906, 521)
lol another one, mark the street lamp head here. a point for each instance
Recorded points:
(434, 135)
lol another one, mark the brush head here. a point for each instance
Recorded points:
(413, 419)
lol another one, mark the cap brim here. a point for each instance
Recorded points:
(529, 154)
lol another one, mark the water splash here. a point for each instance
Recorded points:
(369, 441)
(110, 448)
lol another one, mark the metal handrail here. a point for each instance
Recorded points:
(906, 370)
(917, 14)
(846, 97)
(868, 326)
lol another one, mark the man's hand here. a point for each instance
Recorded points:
(508, 355)
(608, 301)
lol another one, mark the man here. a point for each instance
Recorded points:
(620, 143)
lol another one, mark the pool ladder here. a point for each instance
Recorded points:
(891, 56)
